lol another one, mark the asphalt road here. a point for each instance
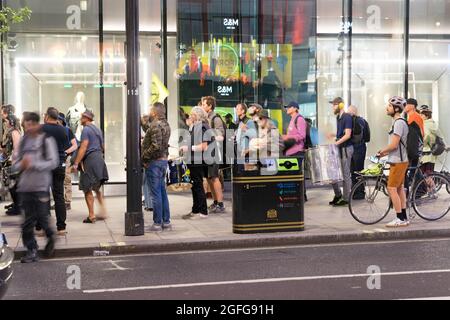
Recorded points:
(409, 270)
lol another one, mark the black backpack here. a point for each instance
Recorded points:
(357, 131)
(308, 140)
(366, 131)
(414, 142)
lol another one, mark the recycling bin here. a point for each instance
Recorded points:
(268, 196)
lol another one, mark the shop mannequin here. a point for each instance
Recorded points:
(73, 116)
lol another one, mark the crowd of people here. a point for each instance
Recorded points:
(43, 157)
(39, 158)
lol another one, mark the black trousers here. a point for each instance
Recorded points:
(59, 175)
(358, 160)
(15, 198)
(36, 207)
(198, 192)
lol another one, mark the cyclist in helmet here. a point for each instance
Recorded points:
(398, 159)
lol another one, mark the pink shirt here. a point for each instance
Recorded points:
(297, 132)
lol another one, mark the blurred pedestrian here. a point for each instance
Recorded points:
(92, 166)
(37, 158)
(155, 151)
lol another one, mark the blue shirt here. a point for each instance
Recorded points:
(344, 122)
(95, 138)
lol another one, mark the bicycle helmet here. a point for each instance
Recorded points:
(424, 108)
(398, 102)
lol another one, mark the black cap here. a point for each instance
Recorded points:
(412, 101)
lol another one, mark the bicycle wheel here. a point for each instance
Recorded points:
(430, 199)
(376, 203)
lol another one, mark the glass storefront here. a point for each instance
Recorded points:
(265, 51)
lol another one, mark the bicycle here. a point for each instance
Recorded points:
(425, 195)
(444, 169)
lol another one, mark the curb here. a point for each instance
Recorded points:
(249, 242)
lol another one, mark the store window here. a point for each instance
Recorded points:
(247, 51)
(429, 59)
(361, 58)
(54, 58)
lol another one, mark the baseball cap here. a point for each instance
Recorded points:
(263, 113)
(337, 100)
(292, 104)
(88, 114)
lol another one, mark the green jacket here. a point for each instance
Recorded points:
(156, 141)
(431, 131)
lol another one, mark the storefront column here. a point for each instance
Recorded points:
(134, 219)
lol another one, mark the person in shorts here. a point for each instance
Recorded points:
(398, 160)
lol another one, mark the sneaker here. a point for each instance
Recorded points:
(190, 215)
(49, 250)
(212, 207)
(335, 200)
(195, 216)
(155, 228)
(9, 206)
(12, 212)
(167, 227)
(397, 223)
(61, 232)
(148, 209)
(341, 203)
(218, 209)
(30, 257)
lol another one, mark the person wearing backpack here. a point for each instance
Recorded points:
(429, 140)
(59, 133)
(398, 160)
(414, 144)
(343, 139)
(360, 148)
(218, 125)
(295, 139)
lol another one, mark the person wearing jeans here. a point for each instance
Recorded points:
(155, 175)
(155, 151)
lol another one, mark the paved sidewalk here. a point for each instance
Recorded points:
(323, 224)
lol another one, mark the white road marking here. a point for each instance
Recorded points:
(432, 298)
(115, 265)
(325, 245)
(268, 280)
